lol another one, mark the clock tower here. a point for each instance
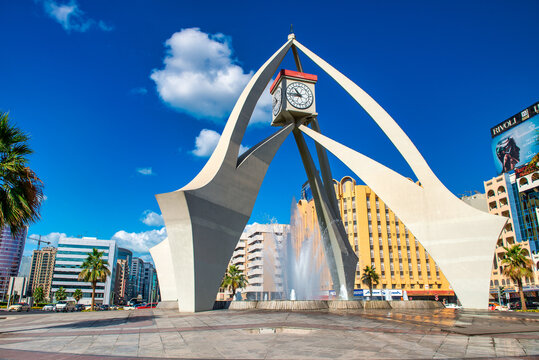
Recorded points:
(293, 97)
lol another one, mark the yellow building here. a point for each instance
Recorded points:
(381, 240)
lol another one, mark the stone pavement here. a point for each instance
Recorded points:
(359, 334)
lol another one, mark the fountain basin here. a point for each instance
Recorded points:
(242, 305)
(344, 304)
(377, 304)
(296, 305)
(416, 304)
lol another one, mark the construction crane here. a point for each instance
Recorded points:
(39, 241)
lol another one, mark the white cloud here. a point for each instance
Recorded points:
(145, 171)
(140, 242)
(151, 218)
(201, 78)
(206, 142)
(71, 17)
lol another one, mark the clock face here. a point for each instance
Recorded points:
(299, 95)
(277, 101)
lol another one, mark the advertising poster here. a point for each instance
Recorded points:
(516, 140)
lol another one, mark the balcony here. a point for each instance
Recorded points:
(256, 263)
(238, 260)
(255, 238)
(255, 247)
(239, 252)
(254, 255)
(254, 288)
(252, 272)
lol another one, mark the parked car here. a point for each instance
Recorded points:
(147, 306)
(19, 307)
(49, 307)
(79, 307)
(65, 306)
(530, 305)
(452, 306)
(129, 307)
(104, 307)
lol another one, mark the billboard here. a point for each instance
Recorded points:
(515, 141)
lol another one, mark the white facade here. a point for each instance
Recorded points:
(71, 253)
(262, 262)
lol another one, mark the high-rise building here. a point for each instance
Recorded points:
(11, 249)
(504, 199)
(121, 283)
(262, 262)
(136, 283)
(42, 270)
(26, 264)
(149, 282)
(514, 194)
(382, 241)
(69, 257)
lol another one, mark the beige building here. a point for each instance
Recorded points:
(499, 201)
(256, 255)
(381, 240)
(42, 269)
(121, 282)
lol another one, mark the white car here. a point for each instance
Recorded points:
(64, 306)
(49, 307)
(452, 306)
(19, 307)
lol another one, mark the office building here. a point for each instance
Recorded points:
(504, 198)
(514, 194)
(11, 249)
(24, 268)
(149, 282)
(382, 241)
(69, 257)
(136, 284)
(121, 283)
(42, 270)
(17, 289)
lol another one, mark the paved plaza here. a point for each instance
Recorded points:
(365, 334)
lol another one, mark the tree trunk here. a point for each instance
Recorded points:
(521, 292)
(370, 291)
(93, 295)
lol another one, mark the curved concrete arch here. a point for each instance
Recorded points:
(205, 218)
(449, 229)
(460, 238)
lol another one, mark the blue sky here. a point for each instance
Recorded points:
(124, 100)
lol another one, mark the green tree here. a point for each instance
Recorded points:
(370, 277)
(77, 295)
(94, 270)
(60, 294)
(21, 192)
(38, 294)
(234, 279)
(517, 265)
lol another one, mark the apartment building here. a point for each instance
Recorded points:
(42, 270)
(69, 257)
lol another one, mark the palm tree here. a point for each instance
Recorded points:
(517, 266)
(38, 294)
(77, 295)
(21, 192)
(234, 279)
(370, 277)
(60, 294)
(94, 270)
